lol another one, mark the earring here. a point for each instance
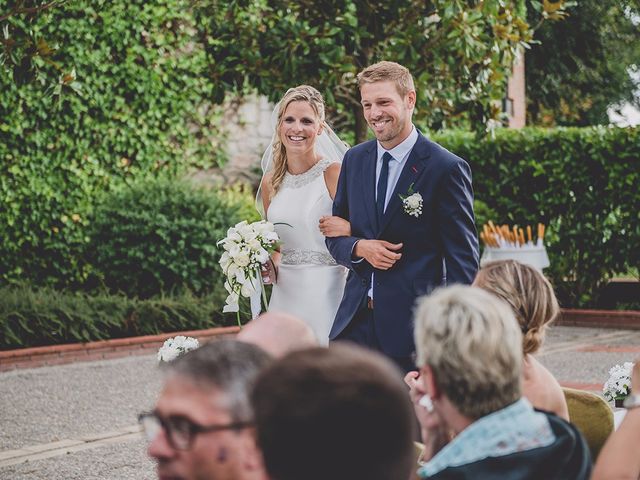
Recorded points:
(426, 402)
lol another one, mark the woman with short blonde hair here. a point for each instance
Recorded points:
(475, 423)
(472, 343)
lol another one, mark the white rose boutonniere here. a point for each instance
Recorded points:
(412, 202)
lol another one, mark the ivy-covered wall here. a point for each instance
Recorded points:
(139, 104)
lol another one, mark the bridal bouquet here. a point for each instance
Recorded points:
(619, 383)
(176, 346)
(247, 247)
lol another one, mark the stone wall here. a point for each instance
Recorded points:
(247, 125)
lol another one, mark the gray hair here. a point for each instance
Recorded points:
(472, 342)
(228, 366)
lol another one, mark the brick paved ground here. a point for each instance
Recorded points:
(78, 421)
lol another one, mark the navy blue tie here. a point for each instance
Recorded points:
(382, 185)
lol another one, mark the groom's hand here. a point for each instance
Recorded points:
(380, 254)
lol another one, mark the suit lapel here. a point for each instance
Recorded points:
(411, 174)
(369, 184)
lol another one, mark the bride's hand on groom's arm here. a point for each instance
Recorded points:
(380, 254)
(269, 270)
(332, 226)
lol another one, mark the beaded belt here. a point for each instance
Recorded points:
(295, 256)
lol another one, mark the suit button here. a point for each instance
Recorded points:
(364, 282)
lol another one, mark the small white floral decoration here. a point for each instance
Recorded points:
(412, 202)
(619, 382)
(176, 346)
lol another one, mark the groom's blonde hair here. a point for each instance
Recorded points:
(388, 71)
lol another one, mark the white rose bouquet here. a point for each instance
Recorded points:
(176, 346)
(247, 247)
(619, 383)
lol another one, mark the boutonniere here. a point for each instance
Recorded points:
(412, 202)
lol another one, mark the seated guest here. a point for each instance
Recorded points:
(202, 425)
(475, 422)
(534, 304)
(278, 333)
(619, 459)
(337, 413)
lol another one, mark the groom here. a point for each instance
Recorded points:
(410, 205)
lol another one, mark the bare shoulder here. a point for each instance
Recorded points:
(542, 389)
(331, 175)
(332, 171)
(265, 184)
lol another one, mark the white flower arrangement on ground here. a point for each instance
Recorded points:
(247, 247)
(176, 346)
(619, 383)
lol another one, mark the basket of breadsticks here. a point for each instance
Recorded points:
(516, 243)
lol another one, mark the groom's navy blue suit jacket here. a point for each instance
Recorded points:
(440, 246)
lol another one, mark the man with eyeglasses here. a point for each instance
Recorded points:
(202, 425)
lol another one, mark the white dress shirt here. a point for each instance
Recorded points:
(400, 154)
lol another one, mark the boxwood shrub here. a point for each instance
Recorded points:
(583, 183)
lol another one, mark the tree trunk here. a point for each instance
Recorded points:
(360, 125)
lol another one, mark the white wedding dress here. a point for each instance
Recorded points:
(310, 284)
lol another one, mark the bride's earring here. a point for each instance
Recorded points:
(426, 402)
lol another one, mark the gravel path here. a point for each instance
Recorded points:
(69, 402)
(54, 403)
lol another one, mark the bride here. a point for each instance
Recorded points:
(301, 167)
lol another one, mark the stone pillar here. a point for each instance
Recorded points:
(247, 126)
(515, 104)
(249, 132)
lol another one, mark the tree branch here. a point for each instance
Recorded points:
(18, 10)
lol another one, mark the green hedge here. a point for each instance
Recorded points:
(155, 237)
(31, 318)
(142, 106)
(584, 183)
(158, 236)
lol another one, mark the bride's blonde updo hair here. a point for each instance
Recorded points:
(302, 93)
(527, 292)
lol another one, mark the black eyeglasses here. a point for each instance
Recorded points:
(180, 431)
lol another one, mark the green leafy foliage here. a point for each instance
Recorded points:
(33, 317)
(581, 182)
(483, 212)
(25, 53)
(459, 52)
(159, 236)
(581, 66)
(138, 104)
